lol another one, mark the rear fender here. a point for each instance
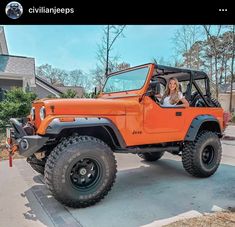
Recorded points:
(203, 122)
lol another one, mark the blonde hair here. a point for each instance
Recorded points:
(174, 98)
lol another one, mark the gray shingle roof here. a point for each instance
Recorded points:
(61, 89)
(17, 65)
(46, 83)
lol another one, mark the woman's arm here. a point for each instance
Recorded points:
(158, 95)
(185, 102)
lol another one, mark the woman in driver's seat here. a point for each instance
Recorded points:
(172, 95)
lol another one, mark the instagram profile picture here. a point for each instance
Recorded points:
(14, 10)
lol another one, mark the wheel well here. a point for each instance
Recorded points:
(212, 126)
(104, 133)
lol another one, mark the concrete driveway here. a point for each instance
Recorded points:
(144, 194)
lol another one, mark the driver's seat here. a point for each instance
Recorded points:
(187, 93)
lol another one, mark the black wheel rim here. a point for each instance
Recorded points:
(85, 173)
(208, 155)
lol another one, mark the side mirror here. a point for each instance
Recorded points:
(148, 93)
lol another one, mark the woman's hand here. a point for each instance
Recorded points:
(185, 102)
(158, 96)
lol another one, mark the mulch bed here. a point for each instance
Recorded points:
(220, 219)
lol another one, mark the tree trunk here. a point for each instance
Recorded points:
(221, 71)
(211, 67)
(232, 76)
(198, 60)
(225, 71)
(107, 54)
(216, 78)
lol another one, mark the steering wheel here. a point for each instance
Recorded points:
(156, 99)
(153, 96)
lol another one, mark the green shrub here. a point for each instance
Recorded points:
(16, 104)
(69, 94)
(90, 95)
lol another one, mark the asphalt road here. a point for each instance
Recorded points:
(144, 194)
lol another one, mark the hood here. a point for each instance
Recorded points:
(83, 106)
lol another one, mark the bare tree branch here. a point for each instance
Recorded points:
(114, 39)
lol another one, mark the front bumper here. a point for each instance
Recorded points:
(27, 144)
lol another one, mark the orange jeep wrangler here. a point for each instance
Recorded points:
(73, 141)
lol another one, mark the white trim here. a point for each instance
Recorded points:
(46, 88)
(11, 78)
(16, 74)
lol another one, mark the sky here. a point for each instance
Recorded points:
(74, 47)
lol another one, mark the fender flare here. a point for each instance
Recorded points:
(56, 126)
(197, 123)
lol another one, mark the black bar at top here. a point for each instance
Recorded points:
(124, 12)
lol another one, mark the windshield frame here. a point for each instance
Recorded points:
(124, 71)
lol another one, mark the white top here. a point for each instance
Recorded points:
(166, 101)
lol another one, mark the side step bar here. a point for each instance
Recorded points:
(136, 150)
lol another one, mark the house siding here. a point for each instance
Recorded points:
(224, 101)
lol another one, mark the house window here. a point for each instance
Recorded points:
(9, 84)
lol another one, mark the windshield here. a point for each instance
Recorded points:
(126, 81)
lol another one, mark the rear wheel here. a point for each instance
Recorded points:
(80, 171)
(151, 156)
(201, 158)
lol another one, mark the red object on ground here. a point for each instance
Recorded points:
(10, 159)
(227, 117)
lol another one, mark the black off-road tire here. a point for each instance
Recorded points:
(151, 156)
(65, 174)
(201, 158)
(37, 165)
(215, 102)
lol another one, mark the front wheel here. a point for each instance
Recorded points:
(80, 171)
(201, 158)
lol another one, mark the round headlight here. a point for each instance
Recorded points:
(42, 113)
(32, 113)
